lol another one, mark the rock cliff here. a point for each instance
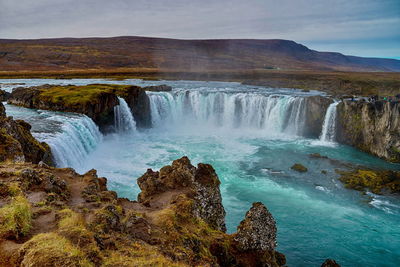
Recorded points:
(97, 101)
(17, 144)
(371, 127)
(61, 216)
(315, 110)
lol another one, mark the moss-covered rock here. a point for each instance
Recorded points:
(376, 181)
(299, 168)
(94, 100)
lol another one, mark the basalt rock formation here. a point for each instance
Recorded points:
(17, 143)
(139, 103)
(55, 215)
(370, 127)
(315, 110)
(97, 101)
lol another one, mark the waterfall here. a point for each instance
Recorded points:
(329, 127)
(78, 137)
(230, 110)
(123, 118)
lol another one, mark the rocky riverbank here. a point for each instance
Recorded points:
(55, 215)
(370, 127)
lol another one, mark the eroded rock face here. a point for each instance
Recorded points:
(100, 109)
(139, 103)
(371, 127)
(201, 183)
(316, 107)
(258, 230)
(17, 143)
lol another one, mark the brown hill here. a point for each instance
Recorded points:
(170, 54)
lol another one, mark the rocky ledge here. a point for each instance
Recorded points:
(371, 127)
(17, 143)
(95, 100)
(51, 215)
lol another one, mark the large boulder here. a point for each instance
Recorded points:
(201, 185)
(258, 230)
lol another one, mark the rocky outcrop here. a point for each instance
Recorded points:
(17, 143)
(97, 101)
(258, 230)
(99, 106)
(377, 182)
(201, 183)
(330, 263)
(299, 167)
(315, 110)
(4, 95)
(66, 218)
(139, 103)
(370, 127)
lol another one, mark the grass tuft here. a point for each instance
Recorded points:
(16, 218)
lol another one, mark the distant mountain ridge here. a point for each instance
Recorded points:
(173, 54)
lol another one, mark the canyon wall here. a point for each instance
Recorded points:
(370, 127)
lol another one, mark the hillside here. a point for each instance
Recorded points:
(170, 54)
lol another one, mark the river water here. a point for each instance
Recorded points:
(251, 136)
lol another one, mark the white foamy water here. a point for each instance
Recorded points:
(123, 118)
(328, 133)
(270, 114)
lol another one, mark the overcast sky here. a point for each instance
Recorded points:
(357, 27)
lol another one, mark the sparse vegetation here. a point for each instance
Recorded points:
(51, 249)
(15, 218)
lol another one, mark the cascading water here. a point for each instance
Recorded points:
(124, 121)
(70, 136)
(271, 113)
(329, 127)
(78, 137)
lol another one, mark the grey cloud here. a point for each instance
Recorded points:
(307, 21)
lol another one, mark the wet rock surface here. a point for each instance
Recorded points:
(299, 168)
(371, 127)
(17, 143)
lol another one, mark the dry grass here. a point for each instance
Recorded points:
(16, 218)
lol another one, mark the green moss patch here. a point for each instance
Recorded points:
(376, 181)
